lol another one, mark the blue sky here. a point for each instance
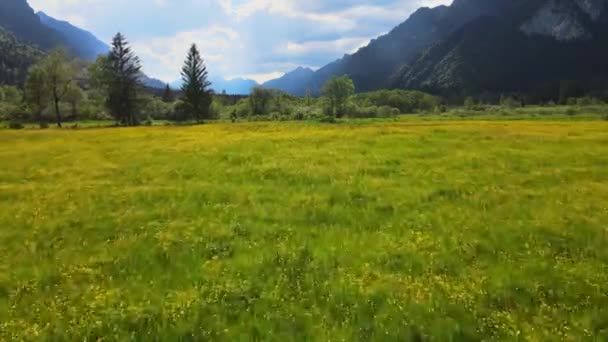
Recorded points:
(258, 39)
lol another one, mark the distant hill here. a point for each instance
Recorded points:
(532, 47)
(372, 66)
(83, 43)
(480, 46)
(292, 81)
(235, 86)
(151, 82)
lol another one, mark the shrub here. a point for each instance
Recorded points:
(327, 119)
(404, 100)
(368, 112)
(441, 108)
(584, 101)
(15, 125)
(469, 103)
(44, 125)
(387, 112)
(571, 111)
(510, 102)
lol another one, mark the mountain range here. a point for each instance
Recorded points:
(26, 36)
(471, 47)
(292, 81)
(83, 43)
(479, 46)
(220, 85)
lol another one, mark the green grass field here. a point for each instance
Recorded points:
(408, 230)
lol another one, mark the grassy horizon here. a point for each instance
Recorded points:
(385, 230)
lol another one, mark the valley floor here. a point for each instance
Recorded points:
(404, 230)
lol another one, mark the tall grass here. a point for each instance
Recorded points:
(407, 230)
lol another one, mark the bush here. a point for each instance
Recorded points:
(441, 108)
(15, 125)
(469, 103)
(387, 112)
(405, 101)
(584, 101)
(571, 111)
(299, 116)
(510, 102)
(327, 119)
(44, 125)
(368, 112)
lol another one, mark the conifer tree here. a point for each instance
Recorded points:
(168, 96)
(123, 73)
(196, 92)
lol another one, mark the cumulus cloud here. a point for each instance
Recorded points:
(259, 39)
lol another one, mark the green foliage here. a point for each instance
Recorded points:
(584, 101)
(74, 97)
(405, 101)
(10, 101)
(337, 90)
(15, 125)
(327, 119)
(168, 96)
(259, 100)
(510, 101)
(156, 108)
(197, 95)
(99, 75)
(272, 104)
(37, 91)
(469, 103)
(59, 75)
(15, 58)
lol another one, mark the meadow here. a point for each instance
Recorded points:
(387, 230)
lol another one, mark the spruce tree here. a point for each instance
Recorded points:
(196, 92)
(168, 96)
(123, 68)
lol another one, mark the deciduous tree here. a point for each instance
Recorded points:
(60, 74)
(338, 90)
(37, 91)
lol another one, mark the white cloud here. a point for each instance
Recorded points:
(343, 45)
(260, 78)
(259, 39)
(165, 55)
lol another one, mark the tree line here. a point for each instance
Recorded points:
(114, 81)
(59, 89)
